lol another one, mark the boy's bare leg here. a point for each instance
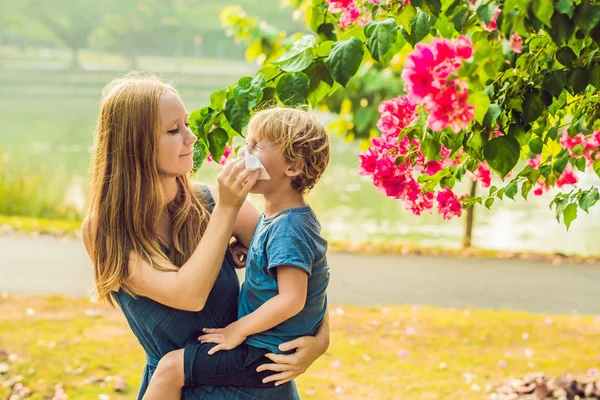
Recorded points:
(168, 379)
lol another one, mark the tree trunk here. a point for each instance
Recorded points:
(466, 243)
(75, 65)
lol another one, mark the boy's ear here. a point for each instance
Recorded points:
(294, 170)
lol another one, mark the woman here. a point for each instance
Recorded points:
(156, 249)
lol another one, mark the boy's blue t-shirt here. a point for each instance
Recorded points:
(292, 237)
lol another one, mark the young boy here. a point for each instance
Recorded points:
(284, 293)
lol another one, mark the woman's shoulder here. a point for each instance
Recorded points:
(87, 231)
(206, 190)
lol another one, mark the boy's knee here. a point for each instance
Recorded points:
(170, 367)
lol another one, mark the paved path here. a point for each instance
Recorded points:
(52, 265)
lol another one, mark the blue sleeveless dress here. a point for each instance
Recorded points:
(161, 329)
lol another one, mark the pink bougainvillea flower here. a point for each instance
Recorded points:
(483, 174)
(535, 162)
(567, 177)
(493, 23)
(516, 42)
(396, 114)
(448, 204)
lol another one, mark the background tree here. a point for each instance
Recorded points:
(485, 85)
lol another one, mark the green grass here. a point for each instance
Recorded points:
(59, 344)
(29, 225)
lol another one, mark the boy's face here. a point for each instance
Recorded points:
(274, 162)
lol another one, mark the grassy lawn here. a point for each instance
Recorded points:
(398, 352)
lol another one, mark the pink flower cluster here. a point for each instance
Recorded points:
(228, 151)
(483, 174)
(589, 147)
(398, 179)
(493, 22)
(426, 72)
(395, 165)
(516, 41)
(351, 12)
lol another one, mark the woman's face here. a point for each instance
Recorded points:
(176, 140)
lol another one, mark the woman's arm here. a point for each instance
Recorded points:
(188, 287)
(246, 222)
(308, 350)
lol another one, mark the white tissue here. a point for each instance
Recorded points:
(253, 163)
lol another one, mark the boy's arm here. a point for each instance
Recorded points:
(292, 283)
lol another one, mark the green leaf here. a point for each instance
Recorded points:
(566, 56)
(460, 19)
(299, 55)
(554, 82)
(511, 189)
(570, 214)
(489, 202)
(433, 7)
(561, 30)
(502, 154)
(394, 50)
(406, 15)
(526, 188)
(475, 144)
(560, 164)
(249, 91)
(491, 115)
(328, 31)
(588, 199)
(419, 28)
(533, 107)
(487, 11)
(200, 155)
(269, 72)
(545, 170)
(201, 121)
(536, 145)
(236, 115)
(543, 10)
(431, 149)
(268, 99)
(292, 88)
(320, 82)
(345, 59)
(565, 7)
(481, 101)
(587, 16)
(595, 75)
(217, 140)
(578, 79)
(597, 167)
(217, 99)
(517, 132)
(381, 36)
(581, 164)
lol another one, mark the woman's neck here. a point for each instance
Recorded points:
(169, 184)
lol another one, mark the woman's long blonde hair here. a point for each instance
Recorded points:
(127, 198)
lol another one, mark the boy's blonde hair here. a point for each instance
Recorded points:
(302, 139)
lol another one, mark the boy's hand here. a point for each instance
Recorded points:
(239, 253)
(226, 338)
